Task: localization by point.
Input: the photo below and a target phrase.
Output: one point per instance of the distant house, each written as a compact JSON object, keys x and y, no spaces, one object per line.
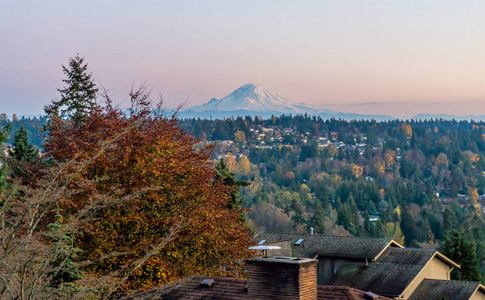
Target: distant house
{"x":268,"y":278}
{"x":397,"y":272}
{"x":379,"y":265}
{"x":331,"y":251}
{"x":373,"y":218}
{"x":316,"y":266}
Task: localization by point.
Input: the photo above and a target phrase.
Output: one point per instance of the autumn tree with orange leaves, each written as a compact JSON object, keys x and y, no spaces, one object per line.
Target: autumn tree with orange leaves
{"x":124,"y":200}
{"x":157,"y":185}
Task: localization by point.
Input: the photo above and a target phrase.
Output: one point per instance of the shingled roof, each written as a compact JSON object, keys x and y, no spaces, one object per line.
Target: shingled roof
{"x":391,"y":274}
{"x":410,"y":256}
{"x":433,"y":289}
{"x":406,"y":256}
{"x":331,"y":246}
{"x":388,"y":279}
{"x":231,"y":288}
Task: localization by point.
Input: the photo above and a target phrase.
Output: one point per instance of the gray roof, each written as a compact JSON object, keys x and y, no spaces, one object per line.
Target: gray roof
{"x":332,"y":246}
{"x":388,"y":279}
{"x":390,"y":275}
{"x":406,"y":256}
{"x":433,"y":289}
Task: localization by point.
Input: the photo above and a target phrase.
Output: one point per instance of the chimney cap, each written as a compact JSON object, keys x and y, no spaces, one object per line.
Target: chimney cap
{"x":370,"y":295}
{"x":207,"y":282}
{"x":281,"y":260}
{"x":264,"y":247}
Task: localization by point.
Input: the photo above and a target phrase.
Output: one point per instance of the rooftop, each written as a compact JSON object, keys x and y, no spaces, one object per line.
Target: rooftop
{"x":391,"y":274}
{"x":433,"y":289}
{"x":231,"y":288}
{"x":389,"y":279}
{"x":406,"y":256}
{"x":410,"y":256}
{"x":332,"y":246}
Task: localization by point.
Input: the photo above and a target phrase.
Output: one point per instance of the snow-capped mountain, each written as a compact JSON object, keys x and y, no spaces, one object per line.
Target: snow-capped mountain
{"x":252,"y":99}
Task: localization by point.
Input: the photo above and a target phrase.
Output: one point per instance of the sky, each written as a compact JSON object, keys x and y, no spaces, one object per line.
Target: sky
{"x":397,"y":58}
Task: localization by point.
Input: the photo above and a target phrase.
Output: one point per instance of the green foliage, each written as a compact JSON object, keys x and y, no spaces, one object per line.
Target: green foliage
{"x":229,"y":179}
{"x":22,"y":149}
{"x":459,"y":249}
{"x":318,"y":220}
{"x":78,"y":97}
{"x":416,"y":181}
{"x":64,"y":267}
{"x":33,"y":126}
{"x":298,"y":217}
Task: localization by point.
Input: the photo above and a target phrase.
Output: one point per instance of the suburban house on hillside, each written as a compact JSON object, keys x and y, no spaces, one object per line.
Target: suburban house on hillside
{"x":379,"y":265}
{"x":330,"y":267}
{"x":330,"y":251}
{"x":268,"y":278}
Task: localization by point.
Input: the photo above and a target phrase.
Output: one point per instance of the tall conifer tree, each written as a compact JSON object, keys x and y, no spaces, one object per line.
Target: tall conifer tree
{"x":22,"y":149}
{"x":228,"y":178}
{"x":459,"y":249}
{"x":78,"y":97}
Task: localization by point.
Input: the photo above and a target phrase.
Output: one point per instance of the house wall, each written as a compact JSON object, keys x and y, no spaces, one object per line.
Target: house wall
{"x":327,"y":267}
{"x":435,"y":269}
{"x":479,"y":295}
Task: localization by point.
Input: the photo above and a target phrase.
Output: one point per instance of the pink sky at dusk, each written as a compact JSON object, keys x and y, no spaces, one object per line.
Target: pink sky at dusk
{"x":397,"y":58}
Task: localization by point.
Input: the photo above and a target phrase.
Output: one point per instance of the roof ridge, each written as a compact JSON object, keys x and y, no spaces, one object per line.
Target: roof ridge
{"x":397,"y":264}
{"x":326,"y":235}
{"x":451,"y":281}
{"x":413,"y":249}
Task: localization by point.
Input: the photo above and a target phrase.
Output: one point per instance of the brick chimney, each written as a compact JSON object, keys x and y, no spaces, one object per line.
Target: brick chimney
{"x":282,"y":278}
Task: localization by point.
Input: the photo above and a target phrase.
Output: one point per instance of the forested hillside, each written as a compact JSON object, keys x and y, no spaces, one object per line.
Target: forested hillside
{"x":415,"y":181}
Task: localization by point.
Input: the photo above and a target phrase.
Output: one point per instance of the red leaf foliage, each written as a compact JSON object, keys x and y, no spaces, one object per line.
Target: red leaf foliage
{"x":145,"y":178}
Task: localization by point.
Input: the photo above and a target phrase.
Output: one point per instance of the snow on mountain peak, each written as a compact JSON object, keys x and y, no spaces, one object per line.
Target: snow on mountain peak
{"x":254,"y":98}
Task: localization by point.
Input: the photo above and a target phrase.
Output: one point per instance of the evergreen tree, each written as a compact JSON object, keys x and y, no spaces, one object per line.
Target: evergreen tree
{"x":78,"y":97}
{"x":22,"y":150}
{"x":298,"y":218}
{"x":409,"y":227}
{"x":462,"y":251}
{"x":229,"y":179}
{"x":318,"y":220}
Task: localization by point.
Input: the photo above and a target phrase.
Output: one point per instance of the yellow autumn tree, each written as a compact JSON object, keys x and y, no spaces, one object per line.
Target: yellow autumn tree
{"x":239,"y":136}
{"x":393,"y":230}
{"x":231,"y":162}
{"x":357,"y":171}
{"x":244,"y":166}
{"x":441,"y":160}
{"x":473,"y":195}
{"x":389,"y":157}
{"x":407,"y":129}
